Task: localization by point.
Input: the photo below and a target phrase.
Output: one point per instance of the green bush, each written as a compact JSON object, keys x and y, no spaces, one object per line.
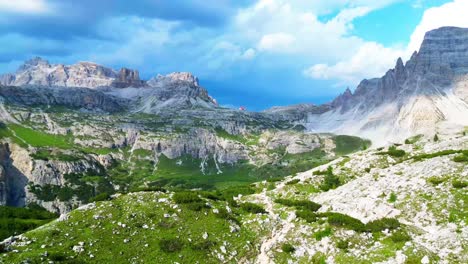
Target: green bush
{"x":309,"y":205}
{"x":400,"y":236}
{"x":252,"y":208}
{"x":382,"y":224}
{"x":186,"y":197}
{"x":330,"y":181}
{"x":342,"y":244}
{"x":461,"y":158}
{"x":436,"y":180}
{"x":100,"y":197}
{"x":459,"y":184}
{"x":287,"y":248}
{"x":171,"y":245}
{"x":392,"y":198}
{"x":308,"y":216}
{"x":291,"y":182}
{"x":57,"y":256}
{"x":345,"y":221}
{"x":323,"y":233}
{"x":436,"y":138}
{"x":394,"y":152}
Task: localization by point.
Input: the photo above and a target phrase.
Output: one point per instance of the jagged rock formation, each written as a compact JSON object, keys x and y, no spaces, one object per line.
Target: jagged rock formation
{"x":424,"y":96}
{"x":77,"y":98}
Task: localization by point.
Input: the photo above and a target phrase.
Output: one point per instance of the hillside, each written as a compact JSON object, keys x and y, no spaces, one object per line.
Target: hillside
{"x":405,"y":204}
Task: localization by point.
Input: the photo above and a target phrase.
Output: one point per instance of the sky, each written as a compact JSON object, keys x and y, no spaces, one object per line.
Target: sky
{"x":253,"y":53}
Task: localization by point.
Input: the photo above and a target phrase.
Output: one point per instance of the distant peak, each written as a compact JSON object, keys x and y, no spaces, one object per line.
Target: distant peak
{"x":183,"y":76}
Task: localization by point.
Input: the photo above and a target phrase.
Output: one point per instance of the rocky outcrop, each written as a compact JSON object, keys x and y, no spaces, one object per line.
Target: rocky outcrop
{"x":419,"y":97}
{"x":38,"y":71}
{"x":128,"y":78}
{"x":59,"y":96}
{"x":12,"y":180}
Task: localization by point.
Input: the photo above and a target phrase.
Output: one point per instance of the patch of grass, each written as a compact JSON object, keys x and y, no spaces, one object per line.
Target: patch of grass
{"x":392,"y":198}
{"x":39,"y":139}
{"x":458,"y":184}
{"x":186,"y":197}
{"x":342,"y":244}
{"x":438,"y":154}
{"x":400,"y":236}
{"x":436,"y":180}
{"x":323,"y":233}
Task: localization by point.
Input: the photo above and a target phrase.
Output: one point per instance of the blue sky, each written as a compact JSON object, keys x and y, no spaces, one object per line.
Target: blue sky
{"x":256,"y":53}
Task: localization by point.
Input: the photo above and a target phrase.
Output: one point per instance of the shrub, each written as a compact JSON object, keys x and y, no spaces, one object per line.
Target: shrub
{"x":170,"y":245}
{"x":291,"y":182}
{"x":407,"y":141}
{"x":461,"y":158}
{"x":287,"y":248}
{"x":323,"y":233}
{"x":394,"y":152}
{"x":252,"y":208}
{"x":309,"y":205}
{"x":186,"y":197}
{"x":436,"y":180}
{"x":459,"y":184}
{"x":382,"y":224}
{"x":436,"y":138}
{"x":57,"y":256}
{"x":392,"y":198}
{"x":308,"y":216}
{"x":274,"y":179}
{"x":100,"y":197}
{"x":367,"y":170}
{"x":330,"y":181}
{"x":342,"y":244}
{"x":346,"y":221}
{"x":400,"y":236}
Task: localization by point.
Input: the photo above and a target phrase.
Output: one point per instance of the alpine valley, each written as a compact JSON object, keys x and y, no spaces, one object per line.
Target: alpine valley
{"x":100,"y":166}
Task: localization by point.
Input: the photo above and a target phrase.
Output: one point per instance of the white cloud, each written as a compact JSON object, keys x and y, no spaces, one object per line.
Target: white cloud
{"x":371,"y":60}
{"x":279,"y":42}
{"x":248,"y":54}
{"x":450,"y":14}
{"x":24,"y":6}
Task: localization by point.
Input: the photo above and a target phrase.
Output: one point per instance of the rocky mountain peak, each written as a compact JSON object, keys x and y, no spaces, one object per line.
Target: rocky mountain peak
{"x":33,"y":62}
{"x":183,"y":76}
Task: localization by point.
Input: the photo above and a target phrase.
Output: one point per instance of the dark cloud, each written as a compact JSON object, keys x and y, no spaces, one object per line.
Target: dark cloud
{"x":72,"y":19}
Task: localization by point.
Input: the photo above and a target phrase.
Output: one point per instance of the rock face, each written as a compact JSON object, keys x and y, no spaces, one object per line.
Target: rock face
{"x":172,"y":92}
{"x":59,"y":96}
{"x":423,"y":96}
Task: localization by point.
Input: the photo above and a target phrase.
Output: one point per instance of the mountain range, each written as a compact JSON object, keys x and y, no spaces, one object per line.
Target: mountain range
{"x":156,"y":163}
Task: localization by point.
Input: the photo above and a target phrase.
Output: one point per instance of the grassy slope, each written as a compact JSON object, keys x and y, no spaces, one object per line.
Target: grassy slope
{"x":140,"y":240}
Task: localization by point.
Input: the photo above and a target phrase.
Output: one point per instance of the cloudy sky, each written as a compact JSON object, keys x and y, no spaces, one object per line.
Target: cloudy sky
{"x":256,"y":53}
